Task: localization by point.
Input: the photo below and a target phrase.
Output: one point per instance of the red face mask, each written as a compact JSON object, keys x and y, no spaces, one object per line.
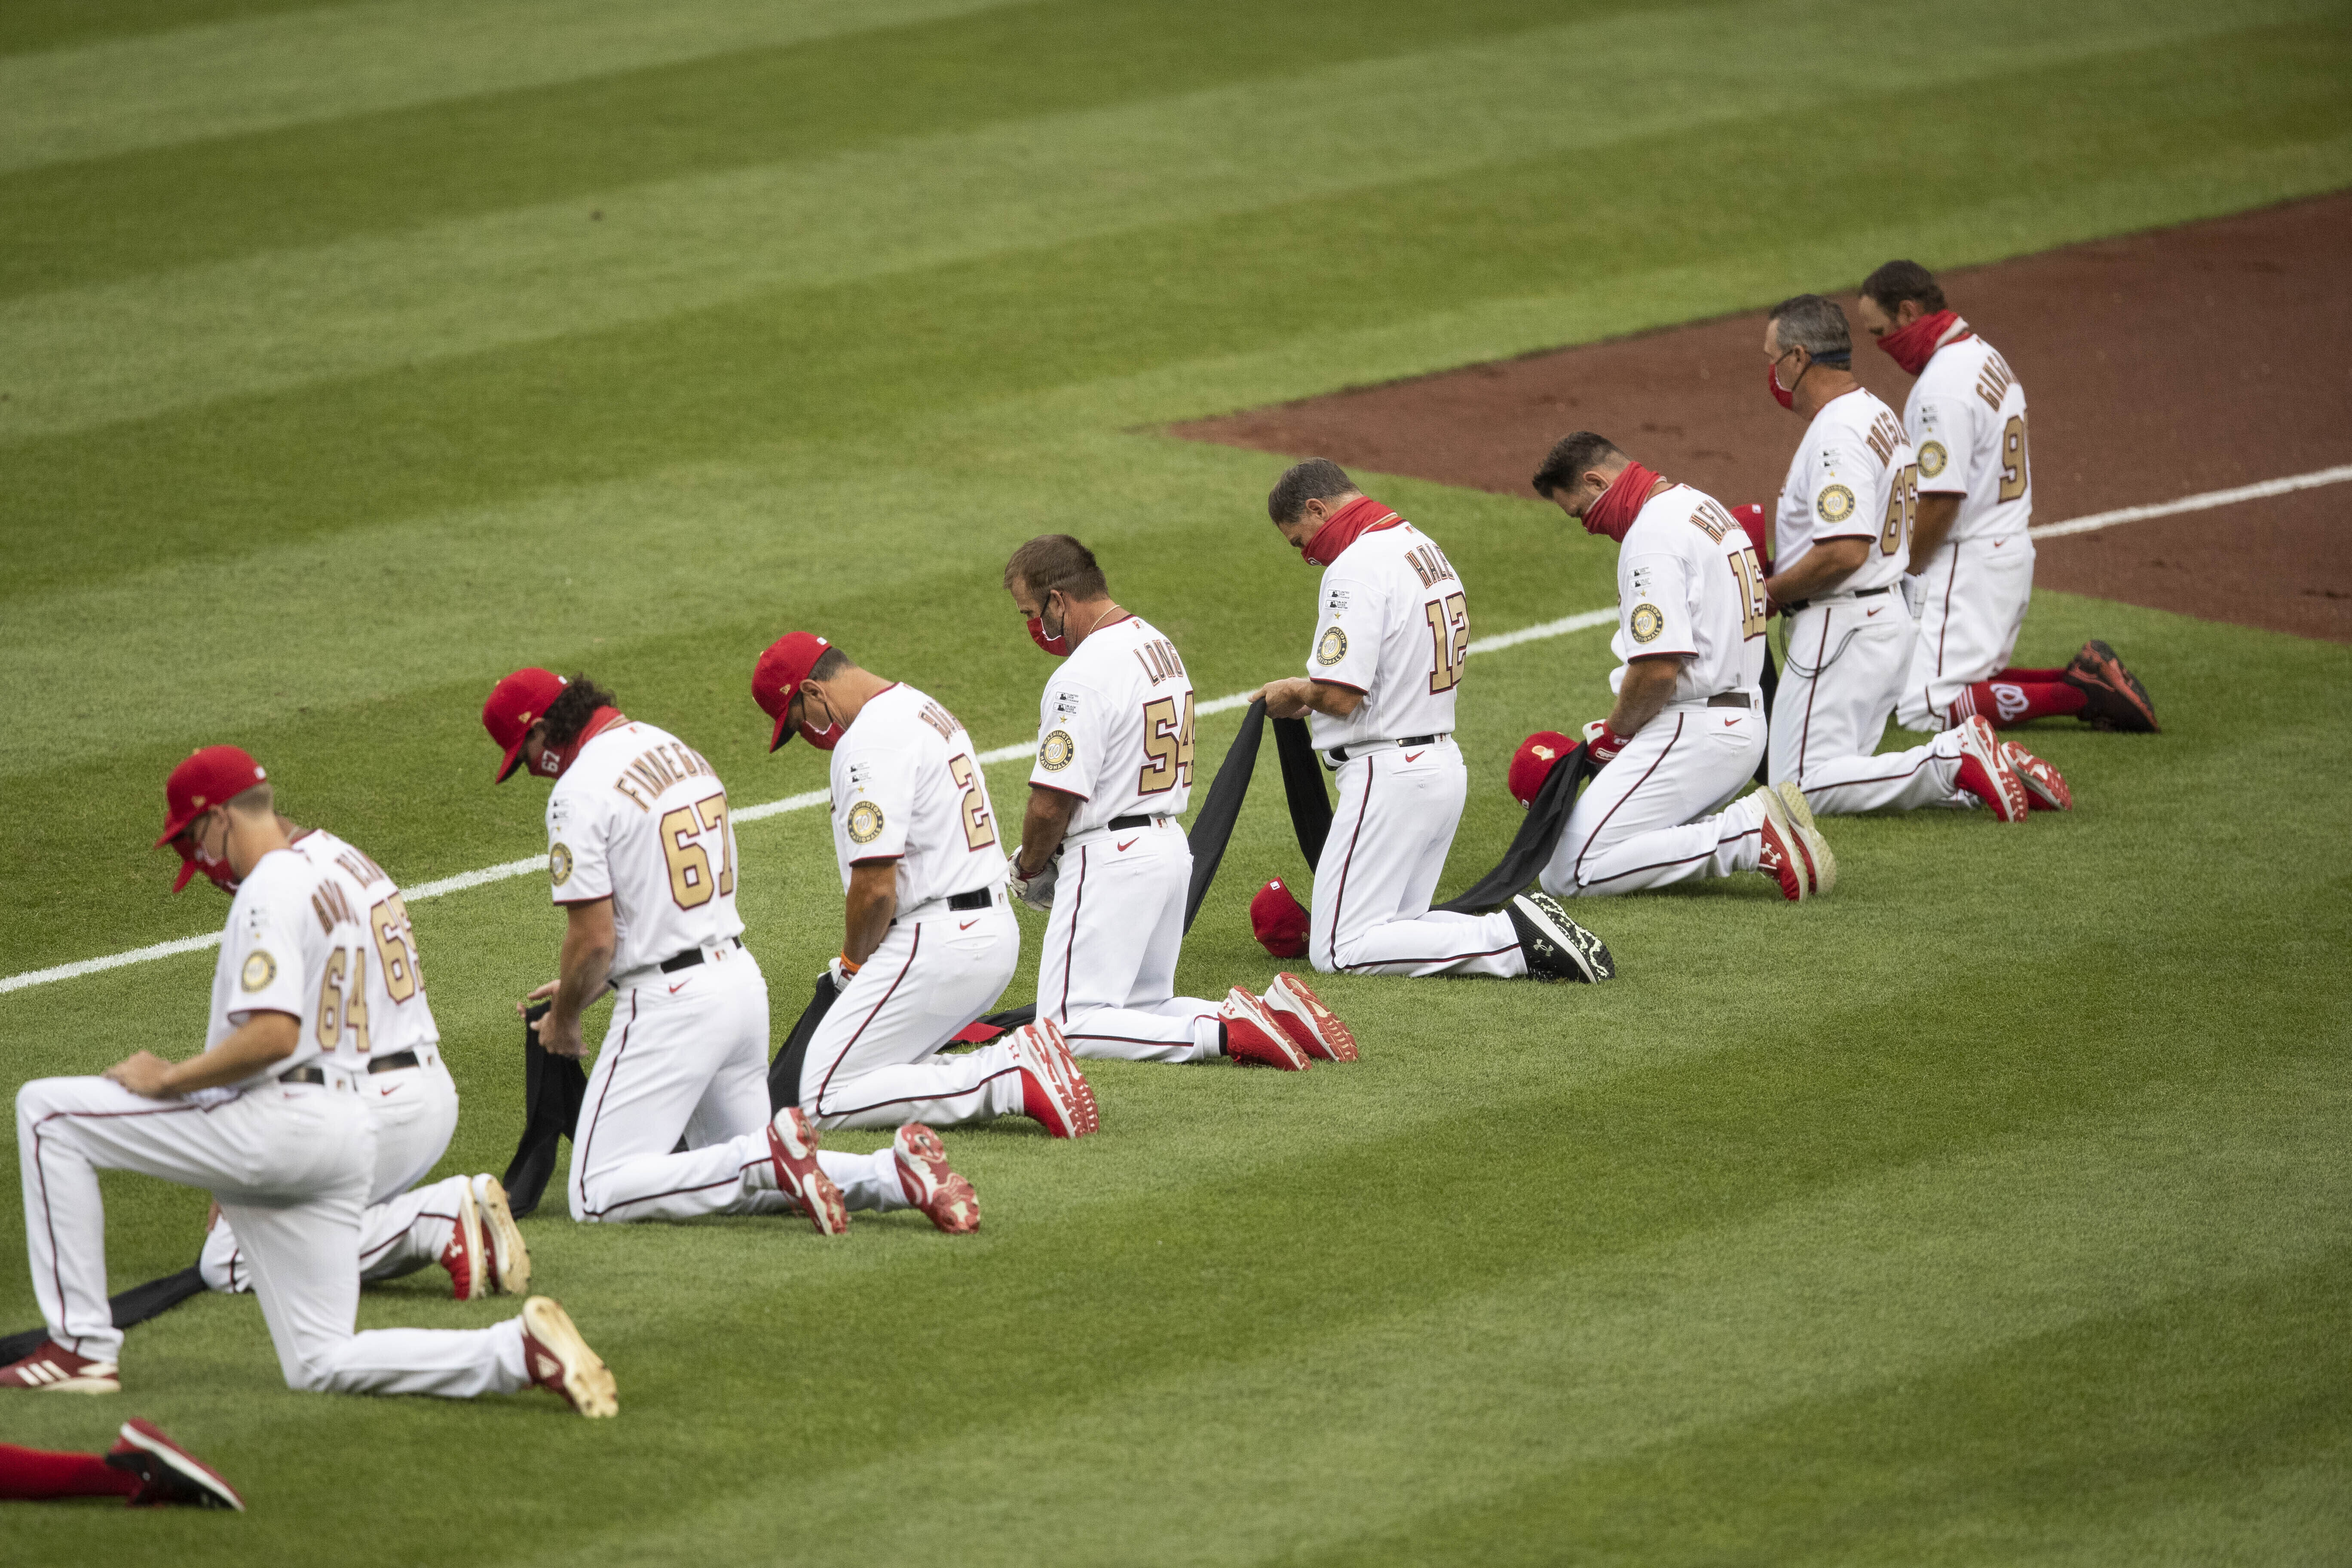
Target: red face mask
{"x":1058,"y":644}
{"x":1786,"y":397}
{"x":824,"y":740}
{"x":193,"y":860}
{"x":1613,"y":512}
{"x":1912,"y":346}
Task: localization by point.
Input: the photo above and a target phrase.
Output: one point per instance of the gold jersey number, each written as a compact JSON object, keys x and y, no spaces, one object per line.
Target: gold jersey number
{"x":2016,"y":470}
{"x":1166,"y":745}
{"x":691,"y":884}
{"x":1449,"y":631}
{"x":979,"y":832}
{"x":1902,"y":510}
{"x":1754,"y":604}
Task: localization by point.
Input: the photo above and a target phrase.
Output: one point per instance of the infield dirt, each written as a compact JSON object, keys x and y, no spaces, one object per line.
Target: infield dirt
{"x":2156,"y":366}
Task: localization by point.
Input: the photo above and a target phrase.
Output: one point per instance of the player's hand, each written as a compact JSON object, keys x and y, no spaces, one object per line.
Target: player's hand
{"x":1284,"y":699}
{"x":145,"y":1073}
{"x":565,"y":1042}
{"x":1602,"y":743}
{"x":841,"y":972}
{"x":522,"y":1008}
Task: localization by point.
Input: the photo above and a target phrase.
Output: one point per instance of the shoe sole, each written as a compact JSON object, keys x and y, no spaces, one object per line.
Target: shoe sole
{"x":930,"y":1183}
{"x":799,"y":1174}
{"x":1784,"y":828}
{"x":2042,"y":794}
{"x":2106,"y":675}
{"x":1588,"y":951}
{"x":1819,"y":861}
{"x":478,"y":1266}
{"x":1288,"y":1055}
{"x":1978,"y":746}
{"x":509,"y":1258}
{"x":582,"y":1377}
{"x":1073,"y":1097}
{"x":149,"y":1438}
{"x":1333,"y":1040}
{"x":80,"y":1382}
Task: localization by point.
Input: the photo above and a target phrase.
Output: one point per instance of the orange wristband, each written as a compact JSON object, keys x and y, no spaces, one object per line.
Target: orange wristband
{"x":847,"y":967}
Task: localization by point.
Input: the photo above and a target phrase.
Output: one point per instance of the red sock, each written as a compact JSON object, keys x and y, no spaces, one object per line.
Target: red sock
{"x":2007,"y":702}
{"x":2030,"y":676}
{"x":36,"y":1475}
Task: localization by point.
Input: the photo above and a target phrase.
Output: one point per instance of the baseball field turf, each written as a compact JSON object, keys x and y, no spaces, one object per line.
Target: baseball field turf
{"x":1997,"y":1208}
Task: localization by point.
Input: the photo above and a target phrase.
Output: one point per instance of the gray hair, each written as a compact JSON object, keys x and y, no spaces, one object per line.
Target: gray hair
{"x":1815,"y":324}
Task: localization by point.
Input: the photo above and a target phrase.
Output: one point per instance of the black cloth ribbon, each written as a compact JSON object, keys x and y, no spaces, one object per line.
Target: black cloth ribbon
{"x":135,"y":1305}
{"x":552,"y":1089}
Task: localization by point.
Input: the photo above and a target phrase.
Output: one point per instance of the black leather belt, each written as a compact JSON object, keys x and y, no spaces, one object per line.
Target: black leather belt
{"x":303,"y":1075}
{"x":1121,"y":824}
{"x":1858,"y":593}
{"x":1341,"y":754}
{"x":1731,"y":699}
{"x":394,"y":1062}
{"x":692,"y":956}
{"x":978,"y":898}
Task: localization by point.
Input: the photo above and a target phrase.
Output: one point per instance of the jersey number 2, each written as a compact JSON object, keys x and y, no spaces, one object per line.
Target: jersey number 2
{"x":979,"y":832}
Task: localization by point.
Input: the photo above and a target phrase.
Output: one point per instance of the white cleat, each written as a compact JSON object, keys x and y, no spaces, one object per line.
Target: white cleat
{"x":558,"y":1359}
{"x":509,"y":1259}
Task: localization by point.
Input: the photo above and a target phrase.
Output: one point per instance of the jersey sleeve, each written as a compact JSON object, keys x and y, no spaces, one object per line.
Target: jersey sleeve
{"x":1943,"y":440}
{"x":1849,"y":486}
{"x":1074,"y":739}
{"x":1347,"y":634}
{"x":579,"y":851}
{"x":877,"y":806}
{"x":265,"y":940}
{"x":1657,"y":614}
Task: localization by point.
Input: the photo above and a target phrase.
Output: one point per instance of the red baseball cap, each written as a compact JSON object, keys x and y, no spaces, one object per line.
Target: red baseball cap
{"x":776,"y":681}
{"x":1277,"y":921}
{"x":516,"y":704}
{"x":207,"y":778}
{"x":1754,"y":523}
{"x":1532,"y":762}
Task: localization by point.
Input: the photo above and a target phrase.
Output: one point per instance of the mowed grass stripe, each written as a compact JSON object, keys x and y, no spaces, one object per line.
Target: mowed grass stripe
{"x":599,"y":137}
{"x":233,"y":76}
{"x":124,"y":351}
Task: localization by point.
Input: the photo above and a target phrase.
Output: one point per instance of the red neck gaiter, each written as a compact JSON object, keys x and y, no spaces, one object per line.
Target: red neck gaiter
{"x":1916,"y":344}
{"x":601,"y":720}
{"x":1621,"y":503}
{"x":1360,"y":516}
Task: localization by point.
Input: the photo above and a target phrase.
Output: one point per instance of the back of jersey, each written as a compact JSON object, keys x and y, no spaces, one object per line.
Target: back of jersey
{"x":1965,"y":416}
{"x":1115,"y":727}
{"x":640,"y":818}
{"x":1394,"y":625}
{"x":908,"y":787}
{"x":383,"y":1009}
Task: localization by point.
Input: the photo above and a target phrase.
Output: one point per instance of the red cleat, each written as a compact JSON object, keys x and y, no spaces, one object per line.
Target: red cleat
{"x":1303,"y":1017}
{"x":169,"y":1476}
{"x":1783,"y":857}
{"x":929,"y":1183}
{"x":1985,"y":774}
{"x":2113,"y":697}
{"x":467,"y":1263}
{"x":1054,"y":1091}
{"x":2045,"y":787}
{"x":791,"y":1153}
{"x":560,"y":1361}
{"x":53,"y":1369}
{"x":1252,"y":1034}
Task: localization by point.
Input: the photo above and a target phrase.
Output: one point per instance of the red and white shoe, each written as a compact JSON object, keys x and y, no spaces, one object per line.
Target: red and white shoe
{"x":509,"y":1259}
{"x":1782,"y":857}
{"x":2045,"y":787}
{"x":1987,"y":775}
{"x":792,"y":1151}
{"x":929,"y":1183}
{"x":464,"y":1257}
{"x":169,"y":1476}
{"x":1053,"y":1090}
{"x":1252,"y":1034}
{"x":1305,"y":1019}
{"x":53,"y":1369}
{"x":560,"y":1361}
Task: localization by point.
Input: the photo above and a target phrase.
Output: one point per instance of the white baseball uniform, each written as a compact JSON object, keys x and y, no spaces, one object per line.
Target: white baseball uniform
{"x":1850,"y":645}
{"x":1966,"y":416}
{"x":1688,"y":586}
{"x":640,"y":818}
{"x":907,"y":788}
{"x":1393,"y":624}
{"x":291,"y":1161}
{"x":414,"y":1106}
{"x":1115,"y":730}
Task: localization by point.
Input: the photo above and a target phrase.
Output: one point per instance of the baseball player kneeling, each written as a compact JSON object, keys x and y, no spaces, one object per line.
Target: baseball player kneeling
{"x":641,"y":856}
{"x":1842,"y":541}
{"x":1971,"y":554}
{"x":1392,"y":635}
{"x":1102,"y":847}
{"x":272,"y":1119}
{"x":929,"y":939}
{"x":1686,"y":730}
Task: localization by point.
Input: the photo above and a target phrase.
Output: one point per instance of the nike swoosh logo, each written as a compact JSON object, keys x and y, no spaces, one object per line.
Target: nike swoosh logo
{"x":967,"y":925}
{"x":1125,"y":847}
{"x":394,"y":1090}
{"x":1728,"y":723}
{"x":676,"y":988}
{"x":1414,"y":756}
{"x":1874,"y":611}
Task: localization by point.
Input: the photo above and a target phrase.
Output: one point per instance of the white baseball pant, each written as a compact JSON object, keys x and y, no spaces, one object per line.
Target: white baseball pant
{"x":404,"y":1227}
{"x":1847,"y":658}
{"x":1973,"y":598}
{"x":1107,"y":974}
{"x":290,"y":1164}
{"x":685,"y":1056}
{"x":1395,"y":820}
{"x":874,"y":1060}
{"x":1658,"y":814}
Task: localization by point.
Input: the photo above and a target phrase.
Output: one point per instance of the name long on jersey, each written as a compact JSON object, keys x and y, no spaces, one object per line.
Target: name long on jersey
{"x":908,"y":787}
{"x":1115,"y":727}
{"x":640,"y":817}
{"x":376,"y":983}
{"x":1853,"y":478}
{"x":1394,"y":624}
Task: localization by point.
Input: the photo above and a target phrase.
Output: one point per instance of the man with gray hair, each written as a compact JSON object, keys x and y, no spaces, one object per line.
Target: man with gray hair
{"x":1840,"y":542}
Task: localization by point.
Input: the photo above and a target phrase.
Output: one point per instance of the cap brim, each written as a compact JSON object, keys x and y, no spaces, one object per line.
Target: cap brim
{"x":784,"y":729}
{"x":187,"y":874}
{"x":174,"y":826}
{"x":513,"y":761}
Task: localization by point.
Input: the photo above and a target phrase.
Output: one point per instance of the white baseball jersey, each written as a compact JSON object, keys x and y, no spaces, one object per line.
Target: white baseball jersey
{"x":1853,"y":478}
{"x":287,"y":949}
{"x":641,"y":818}
{"x":1966,"y":416}
{"x":908,"y":787}
{"x":1394,"y":625}
{"x":1688,"y":583}
{"x":390,"y":1014}
{"x":1115,"y":727}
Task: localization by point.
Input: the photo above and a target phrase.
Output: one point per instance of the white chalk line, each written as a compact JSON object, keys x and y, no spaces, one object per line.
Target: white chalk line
{"x":814,"y":798}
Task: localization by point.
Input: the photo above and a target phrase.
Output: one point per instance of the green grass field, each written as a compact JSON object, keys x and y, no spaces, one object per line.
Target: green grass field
{"x":1999,"y":1208}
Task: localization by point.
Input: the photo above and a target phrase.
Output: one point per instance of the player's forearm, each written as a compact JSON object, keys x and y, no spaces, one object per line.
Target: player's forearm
{"x":872,"y":904}
{"x":1044,"y":825}
{"x":1642,"y":695}
{"x":1821,"y":569}
{"x":1931,"y":528}
{"x":581,"y":972}
{"x":264,"y":1040}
